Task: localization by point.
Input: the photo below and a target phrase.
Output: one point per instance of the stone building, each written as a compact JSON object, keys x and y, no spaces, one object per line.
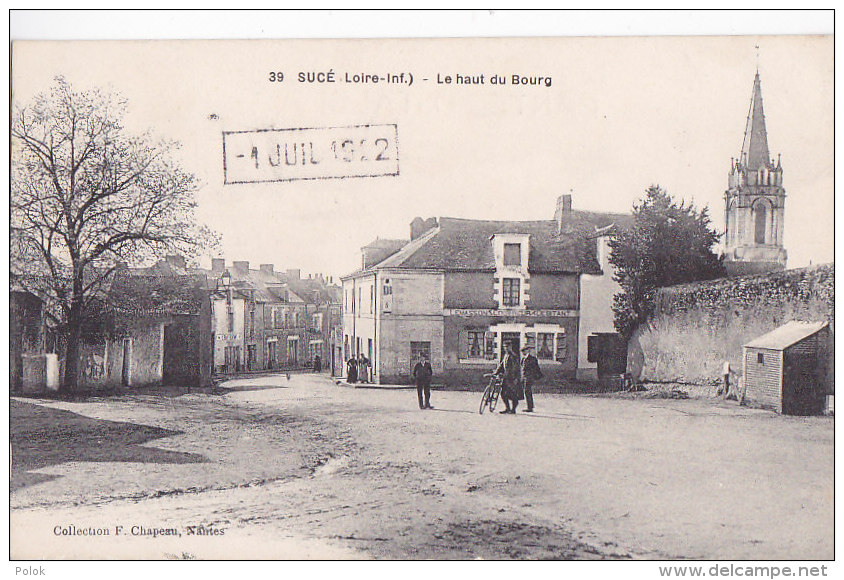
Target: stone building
{"x":460,"y":289}
{"x":268,"y":320}
{"x":754,"y":204}
{"x":152,"y":326}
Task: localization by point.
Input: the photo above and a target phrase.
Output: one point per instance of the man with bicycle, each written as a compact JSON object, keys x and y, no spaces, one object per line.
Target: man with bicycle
{"x":511,"y":380}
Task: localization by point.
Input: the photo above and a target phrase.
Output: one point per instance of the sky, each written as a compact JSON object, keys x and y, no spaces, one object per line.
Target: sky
{"x":620,"y":115}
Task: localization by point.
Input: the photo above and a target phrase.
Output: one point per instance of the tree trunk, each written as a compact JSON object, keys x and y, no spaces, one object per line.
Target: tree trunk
{"x":74,"y":339}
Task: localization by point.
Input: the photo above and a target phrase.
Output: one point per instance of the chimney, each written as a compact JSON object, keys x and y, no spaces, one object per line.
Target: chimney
{"x":218,"y":265}
{"x":419,"y":227}
{"x":241,"y":266}
{"x":563,"y":210}
{"x":176,"y":261}
{"x":267,"y":268}
{"x":294,"y":273}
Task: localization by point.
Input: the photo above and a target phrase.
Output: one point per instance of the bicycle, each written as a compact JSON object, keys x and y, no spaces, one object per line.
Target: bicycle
{"x":491,"y":393}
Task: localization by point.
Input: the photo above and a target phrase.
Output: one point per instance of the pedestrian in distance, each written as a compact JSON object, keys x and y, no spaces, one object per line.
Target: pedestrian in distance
{"x":530,"y":374}
{"x":317,"y":364}
{"x":352,"y":371}
{"x":510,"y":372}
{"x":363,"y":369}
{"x":422,"y":374}
{"x":726,"y":371}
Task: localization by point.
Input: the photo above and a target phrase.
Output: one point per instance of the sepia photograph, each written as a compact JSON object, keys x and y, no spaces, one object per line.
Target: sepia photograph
{"x":458,"y":298}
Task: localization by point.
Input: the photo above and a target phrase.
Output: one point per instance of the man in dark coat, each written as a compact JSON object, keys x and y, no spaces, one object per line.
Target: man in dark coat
{"x":511,"y":373}
{"x":530,"y":374}
{"x":317,"y":364}
{"x":422,"y":374}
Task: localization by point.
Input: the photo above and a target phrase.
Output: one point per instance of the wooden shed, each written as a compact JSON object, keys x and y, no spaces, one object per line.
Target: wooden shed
{"x":785,"y":369}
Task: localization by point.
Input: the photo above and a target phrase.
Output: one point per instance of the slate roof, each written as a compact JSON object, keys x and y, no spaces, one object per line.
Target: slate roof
{"x":786,"y":335}
{"x":144,"y":292}
{"x":464,"y":245}
{"x":260,"y":285}
{"x":386,"y":244}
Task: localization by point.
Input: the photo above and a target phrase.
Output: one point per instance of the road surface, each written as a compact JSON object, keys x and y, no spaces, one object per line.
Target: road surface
{"x":303,"y":468}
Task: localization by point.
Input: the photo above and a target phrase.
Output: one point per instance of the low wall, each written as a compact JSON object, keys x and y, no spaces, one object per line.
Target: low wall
{"x":695,"y":327}
{"x":40,"y":373}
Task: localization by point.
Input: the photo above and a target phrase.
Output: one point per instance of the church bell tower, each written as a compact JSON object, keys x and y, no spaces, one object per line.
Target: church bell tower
{"x":754,"y":204}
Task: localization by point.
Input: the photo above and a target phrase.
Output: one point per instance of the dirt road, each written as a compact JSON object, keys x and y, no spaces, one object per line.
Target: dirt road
{"x":308,"y":469}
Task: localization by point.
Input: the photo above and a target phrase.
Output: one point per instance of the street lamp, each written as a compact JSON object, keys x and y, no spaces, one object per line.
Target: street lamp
{"x":226,"y":279}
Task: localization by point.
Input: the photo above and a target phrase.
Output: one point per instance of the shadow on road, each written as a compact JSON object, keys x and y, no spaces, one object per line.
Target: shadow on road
{"x":42,"y":436}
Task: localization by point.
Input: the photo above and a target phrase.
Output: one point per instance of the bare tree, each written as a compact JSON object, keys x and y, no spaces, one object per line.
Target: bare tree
{"x":86,"y":196}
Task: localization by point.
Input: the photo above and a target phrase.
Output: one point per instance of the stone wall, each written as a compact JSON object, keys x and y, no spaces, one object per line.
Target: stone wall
{"x":695,"y":327}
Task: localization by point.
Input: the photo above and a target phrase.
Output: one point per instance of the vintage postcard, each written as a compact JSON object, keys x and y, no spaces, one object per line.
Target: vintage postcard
{"x":423,"y":299}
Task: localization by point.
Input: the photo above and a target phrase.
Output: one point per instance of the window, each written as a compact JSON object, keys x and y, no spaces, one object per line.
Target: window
{"x":545,"y":346}
{"x":760,"y":358}
{"x":371,"y":298}
{"x":512,"y":254}
{"x":510,"y":291}
{"x":252,"y":320}
{"x":761,"y":222}
{"x":489,"y":352}
{"x":230,"y":316}
{"x":562,"y":347}
{"x":388,"y":288}
{"x":475,"y":339}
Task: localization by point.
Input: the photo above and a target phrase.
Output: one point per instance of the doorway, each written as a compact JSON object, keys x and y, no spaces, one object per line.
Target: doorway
{"x":416,"y":350}
{"x":515,"y":340}
{"x":293,"y":351}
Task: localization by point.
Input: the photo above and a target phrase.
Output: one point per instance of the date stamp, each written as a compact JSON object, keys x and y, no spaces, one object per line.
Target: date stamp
{"x":271,"y":155}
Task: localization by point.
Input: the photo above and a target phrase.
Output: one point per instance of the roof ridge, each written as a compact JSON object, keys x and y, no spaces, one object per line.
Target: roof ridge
{"x":422,"y":240}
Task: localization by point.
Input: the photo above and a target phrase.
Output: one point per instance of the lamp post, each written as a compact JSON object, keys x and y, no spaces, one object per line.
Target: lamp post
{"x":225,"y":280}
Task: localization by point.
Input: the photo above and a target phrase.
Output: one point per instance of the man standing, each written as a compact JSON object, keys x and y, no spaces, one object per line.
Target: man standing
{"x":511,"y":375}
{"x":530,"y":374}
{"x":422,"y":374}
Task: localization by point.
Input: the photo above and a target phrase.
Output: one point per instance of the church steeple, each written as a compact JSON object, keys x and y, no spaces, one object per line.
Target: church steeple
{"x":754,"y":149}
{"x":754,"y":204}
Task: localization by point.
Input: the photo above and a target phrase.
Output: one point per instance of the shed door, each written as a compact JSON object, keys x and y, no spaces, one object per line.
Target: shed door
{"x":800,"y":384}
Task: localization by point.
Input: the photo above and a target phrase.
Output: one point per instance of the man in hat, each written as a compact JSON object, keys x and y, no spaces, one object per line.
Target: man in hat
{"x":422,"y":374}
{"x":511,"y":384}
{"x":530,"y":374}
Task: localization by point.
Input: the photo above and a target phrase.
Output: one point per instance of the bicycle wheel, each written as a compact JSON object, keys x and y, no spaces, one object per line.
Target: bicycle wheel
{"x":485,"y":398}
{"x":493,"y":396}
